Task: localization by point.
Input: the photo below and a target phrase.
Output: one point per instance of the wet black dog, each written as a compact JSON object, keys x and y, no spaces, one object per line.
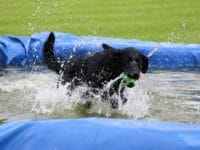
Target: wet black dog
{"x":99,"y":68}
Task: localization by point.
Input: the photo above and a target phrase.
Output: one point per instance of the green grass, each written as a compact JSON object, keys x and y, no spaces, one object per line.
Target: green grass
{"x":155,"y":20}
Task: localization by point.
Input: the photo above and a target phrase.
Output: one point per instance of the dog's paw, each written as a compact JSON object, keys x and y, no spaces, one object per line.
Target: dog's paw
{"x":88,"y":95}
{"x":114,"y":103}
{"x":88,"y":104}
{"x":124,"y":100}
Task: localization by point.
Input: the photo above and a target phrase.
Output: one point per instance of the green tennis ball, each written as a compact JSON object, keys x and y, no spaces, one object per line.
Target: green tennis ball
{"x":127,"y":80}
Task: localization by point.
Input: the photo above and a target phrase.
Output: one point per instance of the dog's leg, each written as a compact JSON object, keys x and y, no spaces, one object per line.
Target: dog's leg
{"x":121,"y":94}
{"x":48,"y":55}
{"x":89,"y":97}
{"x":73,"y":84}
{"x":119,"y":91}
{"x":107,"y":95}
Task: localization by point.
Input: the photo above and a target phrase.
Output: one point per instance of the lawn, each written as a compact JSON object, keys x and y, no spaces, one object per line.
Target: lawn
{"x":154,"y":20}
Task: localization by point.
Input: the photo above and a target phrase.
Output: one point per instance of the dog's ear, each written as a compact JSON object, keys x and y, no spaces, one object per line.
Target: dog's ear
{"x":108,"y":48}
{"x":105,"y":46}
{"x":144,"y":64}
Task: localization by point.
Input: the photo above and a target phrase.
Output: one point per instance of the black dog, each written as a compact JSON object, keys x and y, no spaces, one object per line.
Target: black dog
{"x":99,"y":68}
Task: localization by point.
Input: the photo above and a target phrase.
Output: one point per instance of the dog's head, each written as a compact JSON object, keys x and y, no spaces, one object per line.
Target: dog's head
{"x":132,"y":62}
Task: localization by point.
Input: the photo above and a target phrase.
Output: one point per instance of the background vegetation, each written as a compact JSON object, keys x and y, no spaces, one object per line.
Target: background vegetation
{"x":154,"y":20}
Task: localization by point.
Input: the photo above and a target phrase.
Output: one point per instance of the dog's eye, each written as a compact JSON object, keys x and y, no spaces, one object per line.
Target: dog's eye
{"x":137,"y":60}
{"x":129,"y":59}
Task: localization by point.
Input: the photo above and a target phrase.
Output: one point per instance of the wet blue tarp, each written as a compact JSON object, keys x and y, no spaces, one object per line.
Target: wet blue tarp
{"x":98,"y":134}
{"x":19,"y":50}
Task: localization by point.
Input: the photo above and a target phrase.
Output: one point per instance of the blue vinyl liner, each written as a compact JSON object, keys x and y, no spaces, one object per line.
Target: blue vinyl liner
{"x":98,"y":134}
{"x":19,"y":50}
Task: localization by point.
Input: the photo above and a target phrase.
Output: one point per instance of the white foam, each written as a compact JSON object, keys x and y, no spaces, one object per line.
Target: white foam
{"x":44,"y":97}
{"x":137,"y":105}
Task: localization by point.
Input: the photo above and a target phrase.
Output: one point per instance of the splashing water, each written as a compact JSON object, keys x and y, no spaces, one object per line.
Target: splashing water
{"x":171,"y":96}
{"x":36,"y":93}
{"x":154,"y":50}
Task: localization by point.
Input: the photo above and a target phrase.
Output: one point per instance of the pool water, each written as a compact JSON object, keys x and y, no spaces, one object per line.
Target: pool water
{"x":158,"y":95}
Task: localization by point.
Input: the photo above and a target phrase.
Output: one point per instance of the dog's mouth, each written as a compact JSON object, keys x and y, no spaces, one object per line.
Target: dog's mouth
{"x":129,"y":81}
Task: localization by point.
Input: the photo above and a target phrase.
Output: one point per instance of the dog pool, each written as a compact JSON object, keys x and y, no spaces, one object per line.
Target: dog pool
{"x":164,"y":93}
{"x":168,"y":92}
{"x":158,"y":95}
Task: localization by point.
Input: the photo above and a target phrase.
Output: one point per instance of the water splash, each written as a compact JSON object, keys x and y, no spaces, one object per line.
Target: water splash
{"x":153,"y":51}
{"x":171,"y":96}
{"x":137,"y":105}
{"x":38,"y":92}
{"x":43,"y":11}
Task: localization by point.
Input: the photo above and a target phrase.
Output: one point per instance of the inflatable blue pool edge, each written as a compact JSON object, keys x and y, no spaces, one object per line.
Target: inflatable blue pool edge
{"x":22,"y":51}
{"x":97,"y":133}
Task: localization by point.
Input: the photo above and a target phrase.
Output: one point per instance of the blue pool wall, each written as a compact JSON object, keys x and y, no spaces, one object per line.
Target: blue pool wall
{"x":24,"y":50}
{"x":97,"y":133}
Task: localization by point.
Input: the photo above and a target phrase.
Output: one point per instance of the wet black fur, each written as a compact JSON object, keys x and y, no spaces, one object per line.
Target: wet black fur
{"x":99,"y":68}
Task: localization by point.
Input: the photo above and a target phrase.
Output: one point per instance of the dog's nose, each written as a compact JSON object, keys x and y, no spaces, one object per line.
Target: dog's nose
{"x":134,"y":76}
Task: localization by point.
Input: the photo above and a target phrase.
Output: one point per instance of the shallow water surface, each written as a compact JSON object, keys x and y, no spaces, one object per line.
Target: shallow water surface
{"x":159,"y":95}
